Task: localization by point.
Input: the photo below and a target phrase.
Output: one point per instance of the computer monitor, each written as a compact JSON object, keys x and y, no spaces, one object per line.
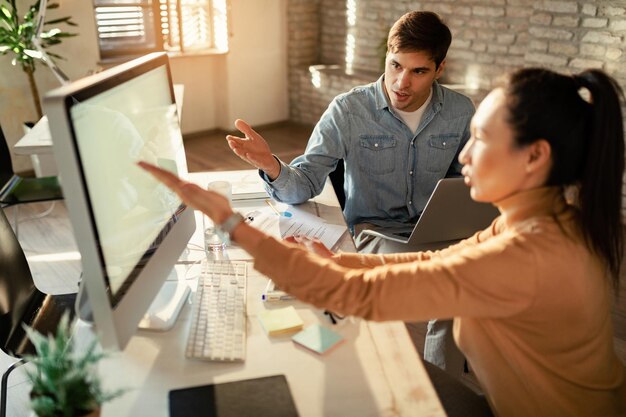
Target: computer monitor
{"x":129,"y":228}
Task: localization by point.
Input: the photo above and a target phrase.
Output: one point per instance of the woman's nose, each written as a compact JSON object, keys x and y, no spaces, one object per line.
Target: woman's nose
{"x":465,"y":154}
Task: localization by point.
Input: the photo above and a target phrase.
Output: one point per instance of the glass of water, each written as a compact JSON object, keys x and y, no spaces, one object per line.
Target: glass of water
{"x":212,"y":240}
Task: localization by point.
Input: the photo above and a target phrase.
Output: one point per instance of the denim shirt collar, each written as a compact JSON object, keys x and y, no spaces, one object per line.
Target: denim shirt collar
{"x":382,"y":101}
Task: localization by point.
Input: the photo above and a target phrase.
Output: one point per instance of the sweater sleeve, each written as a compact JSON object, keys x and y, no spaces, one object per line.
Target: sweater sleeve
{"x":494,"y":279}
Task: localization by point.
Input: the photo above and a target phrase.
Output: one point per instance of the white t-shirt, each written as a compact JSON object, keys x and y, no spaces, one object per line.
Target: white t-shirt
{"x":413,"y":119}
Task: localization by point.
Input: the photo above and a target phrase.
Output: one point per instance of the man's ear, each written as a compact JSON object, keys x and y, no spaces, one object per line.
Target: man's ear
{"x":539,"y":156}
{"x":440,"y":69}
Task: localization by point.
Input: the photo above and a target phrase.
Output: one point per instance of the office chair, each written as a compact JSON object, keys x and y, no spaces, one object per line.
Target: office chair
{"x":22,"y":303}
{"x":15,"y":190}
{"x":336,"y":179}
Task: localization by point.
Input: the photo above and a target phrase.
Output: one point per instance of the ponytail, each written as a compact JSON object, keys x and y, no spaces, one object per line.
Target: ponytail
{"x":587,"y":142}
{"x":600,"y":195}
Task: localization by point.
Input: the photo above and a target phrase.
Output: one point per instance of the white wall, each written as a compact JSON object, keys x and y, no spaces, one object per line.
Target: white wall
{"x":248,"y":82}
{"x":257,"y":63}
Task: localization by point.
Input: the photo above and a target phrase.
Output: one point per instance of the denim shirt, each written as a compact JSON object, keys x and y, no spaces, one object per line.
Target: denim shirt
{"x":390,"y":172}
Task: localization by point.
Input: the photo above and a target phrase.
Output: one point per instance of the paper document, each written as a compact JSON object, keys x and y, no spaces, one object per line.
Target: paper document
{"x":289,"y":221}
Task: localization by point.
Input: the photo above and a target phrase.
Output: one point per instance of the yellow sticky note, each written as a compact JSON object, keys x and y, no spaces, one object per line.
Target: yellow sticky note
{"x":280,"y":321}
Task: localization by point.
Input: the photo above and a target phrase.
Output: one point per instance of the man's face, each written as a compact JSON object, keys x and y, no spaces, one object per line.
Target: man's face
{"x":409,"y":77}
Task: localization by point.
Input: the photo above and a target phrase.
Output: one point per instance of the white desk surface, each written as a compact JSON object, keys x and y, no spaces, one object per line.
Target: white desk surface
{"x":375,"y":372}
{"x":38,"y":140}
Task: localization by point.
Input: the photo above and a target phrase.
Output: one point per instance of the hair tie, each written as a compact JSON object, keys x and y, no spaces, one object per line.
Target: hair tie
{"x":583,"y":91}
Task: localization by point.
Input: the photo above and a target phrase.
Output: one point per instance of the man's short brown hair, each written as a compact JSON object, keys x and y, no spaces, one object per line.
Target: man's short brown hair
{"x":420,"y":31}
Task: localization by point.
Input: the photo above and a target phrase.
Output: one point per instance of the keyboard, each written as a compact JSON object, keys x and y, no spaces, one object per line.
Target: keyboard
{"x":218,"y":323}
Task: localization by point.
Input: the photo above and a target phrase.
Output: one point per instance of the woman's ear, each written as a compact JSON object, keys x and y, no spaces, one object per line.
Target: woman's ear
{"x":539,"y":156}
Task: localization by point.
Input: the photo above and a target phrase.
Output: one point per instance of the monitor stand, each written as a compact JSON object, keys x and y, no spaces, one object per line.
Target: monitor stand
{"x":168,"y":303}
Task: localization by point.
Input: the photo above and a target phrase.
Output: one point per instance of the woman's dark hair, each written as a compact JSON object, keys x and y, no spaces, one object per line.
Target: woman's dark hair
{"x":420,"y":31}
{"x":587,"y":140}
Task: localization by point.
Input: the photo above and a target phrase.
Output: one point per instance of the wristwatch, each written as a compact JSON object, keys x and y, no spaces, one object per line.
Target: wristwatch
{"x":225,"y":229}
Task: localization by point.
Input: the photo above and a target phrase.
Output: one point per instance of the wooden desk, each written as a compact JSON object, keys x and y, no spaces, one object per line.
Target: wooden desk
{"x":375,"y":372}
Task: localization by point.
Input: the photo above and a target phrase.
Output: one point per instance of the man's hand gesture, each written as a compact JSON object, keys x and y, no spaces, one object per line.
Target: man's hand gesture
{"x":254,"y":150}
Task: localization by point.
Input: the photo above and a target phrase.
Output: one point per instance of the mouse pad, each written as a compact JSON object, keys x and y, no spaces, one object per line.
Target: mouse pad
{"x":259,"y":397}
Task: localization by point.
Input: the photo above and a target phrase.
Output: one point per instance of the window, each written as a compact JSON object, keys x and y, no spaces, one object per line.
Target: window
{"x":133,"y":27}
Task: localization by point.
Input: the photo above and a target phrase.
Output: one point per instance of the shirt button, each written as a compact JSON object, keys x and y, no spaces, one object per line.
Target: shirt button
{"x":444,"y":144}
{"x":411,"y":202}
{"x":376,"y":145}
{"x":410,"y":172}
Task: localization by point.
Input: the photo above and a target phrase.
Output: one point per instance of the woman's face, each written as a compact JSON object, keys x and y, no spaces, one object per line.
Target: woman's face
{"x":494,"y":166}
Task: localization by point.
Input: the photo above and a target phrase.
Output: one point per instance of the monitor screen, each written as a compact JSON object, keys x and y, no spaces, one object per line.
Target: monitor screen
{"x":122,"y":217}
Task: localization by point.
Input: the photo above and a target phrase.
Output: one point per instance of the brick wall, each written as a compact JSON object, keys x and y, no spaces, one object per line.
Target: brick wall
{"x":490,"y":38}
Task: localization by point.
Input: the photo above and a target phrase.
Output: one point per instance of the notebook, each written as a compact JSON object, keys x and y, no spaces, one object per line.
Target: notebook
{"x":317,"y":338}
{"x":281,"y":320}
{"x":260,"y":397}
{"x":449,"y":215}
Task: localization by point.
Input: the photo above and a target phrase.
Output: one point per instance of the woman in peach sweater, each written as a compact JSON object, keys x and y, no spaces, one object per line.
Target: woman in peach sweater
{"x":531,"y":294}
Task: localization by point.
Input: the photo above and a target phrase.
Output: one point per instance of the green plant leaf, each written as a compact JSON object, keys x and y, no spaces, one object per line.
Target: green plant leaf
{"x":33,"y":53}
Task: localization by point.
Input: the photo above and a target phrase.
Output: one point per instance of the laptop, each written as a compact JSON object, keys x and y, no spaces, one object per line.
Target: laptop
{"x":449,"y":215}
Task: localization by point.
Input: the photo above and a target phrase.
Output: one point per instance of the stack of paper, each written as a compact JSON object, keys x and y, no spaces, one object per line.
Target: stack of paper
{"x":280,"y":321}
{"x":317,"y":338}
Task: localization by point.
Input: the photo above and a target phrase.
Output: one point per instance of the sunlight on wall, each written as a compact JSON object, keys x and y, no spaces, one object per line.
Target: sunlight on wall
{"x":220,"y":28}
{"x":316,"y":78}
{"x":351,"y":31}
{"x":472,"y":76}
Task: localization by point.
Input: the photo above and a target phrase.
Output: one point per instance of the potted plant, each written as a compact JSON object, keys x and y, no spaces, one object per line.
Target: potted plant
{"x":17,"y":38}
{"x":64,"y":380}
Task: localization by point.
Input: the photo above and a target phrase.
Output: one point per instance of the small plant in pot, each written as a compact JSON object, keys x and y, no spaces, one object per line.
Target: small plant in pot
{"x":64,"y":380}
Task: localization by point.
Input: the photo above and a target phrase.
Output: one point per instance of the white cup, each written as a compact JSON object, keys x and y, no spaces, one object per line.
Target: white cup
{"x":212,"y":241}
{"x":222,"y":187}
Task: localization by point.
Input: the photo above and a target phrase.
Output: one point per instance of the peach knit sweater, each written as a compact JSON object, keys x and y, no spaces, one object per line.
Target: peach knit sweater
{"x":531,"y":304}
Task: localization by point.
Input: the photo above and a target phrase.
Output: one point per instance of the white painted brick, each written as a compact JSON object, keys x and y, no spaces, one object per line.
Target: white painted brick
{"x":549,"y":33}
{"x":613,"y":11}
{"x":439,"y":8}
{"x":590,"y":9}
{"x":498,"y":24}
{"x":517,"y":50}
{"x":601,"y":37}
{"x":541,"y":19}
{"x":496,"y":49}
{"x":613,"y":53}
{"x":546,"y":59}
{"x":460,"y":43}
{"x":518,"y":12}
{"x":485,"y":36}
{"x":461,"y":10}
{"x":465,"y":55}
{"x":582,"y":63}
{"x":595,"y":22}
{"x":592,"y":49}
{"x":488,"y":11}
{"x":485,"y":59}
{"x":515,"y":61}
{"x":505,"y":38}
{"x":618,"y":25}
{"x":537,"y":45}
{"x":557,"y":6}
{"x":523,"y":3}
{"x":478,"y":23}
{"x":566,"y":21}
{"x":518,"y":26}
{"x":479,"y":47}
{"x":563,"y":48}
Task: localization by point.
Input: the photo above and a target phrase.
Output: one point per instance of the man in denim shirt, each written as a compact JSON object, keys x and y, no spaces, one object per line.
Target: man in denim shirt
{"x":398,"y":136}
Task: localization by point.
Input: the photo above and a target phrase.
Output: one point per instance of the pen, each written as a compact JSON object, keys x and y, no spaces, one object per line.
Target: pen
{"x":276,"y":297}
{"x":269,"y":203}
